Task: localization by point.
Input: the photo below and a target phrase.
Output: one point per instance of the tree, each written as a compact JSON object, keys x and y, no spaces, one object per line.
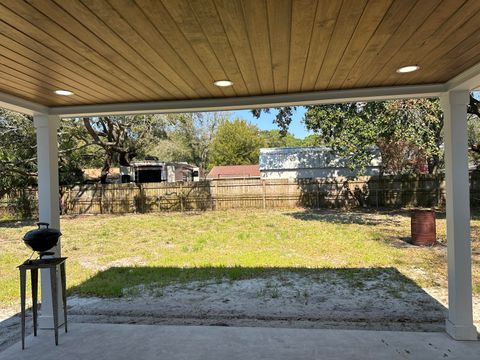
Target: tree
{"x":398,"y":128}
{"x":474,"y":128}
{"x":17,"y":151}
{"x":189,"y":137}
{"x":120,"y":138}
{"x":404,"y":131}
{"x":236,"y":143}
{"x":18,"y":159}
{"x":313,"y":140}
{"x":274,"y":138}
{"x":283,"y":118}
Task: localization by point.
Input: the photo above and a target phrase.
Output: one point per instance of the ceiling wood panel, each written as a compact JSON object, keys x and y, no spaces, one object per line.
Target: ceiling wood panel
{"x":166,"y":26}
{"x":425,"y":35}
{"x":255,"y":14}
{"x":212,"y":27}
{"x":448,"y":51}
{"x":185,"y":19}
{"x":279,"y":18}
{"x":33,"y":92}
{"x":371,"y":17}
{"x":303,"y":20}
{"x":414,"y":20}
{"x":325,"y":20}
{"x":39,"y":34}
{"x":43,"y":57}
{"x":40,"y":28}
{"x":110,"y":51}
{"x":158,"y":51}
{"x":463,"y":53}
{"x":233,"y":21}
{"x":35,"y":77}
{"x":372,"y":53}
{"x":129,"y":51}
{"x":345,"y":26}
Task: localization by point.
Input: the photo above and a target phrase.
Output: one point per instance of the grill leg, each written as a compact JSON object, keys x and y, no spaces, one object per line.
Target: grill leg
{"x":64,"y":293}
{"x":53,"y":280}
{"x":34,"y":278}
{"x":23,"y":280}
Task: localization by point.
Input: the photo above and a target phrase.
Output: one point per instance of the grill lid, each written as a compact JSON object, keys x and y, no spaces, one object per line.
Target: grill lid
{"x":43,"y":238}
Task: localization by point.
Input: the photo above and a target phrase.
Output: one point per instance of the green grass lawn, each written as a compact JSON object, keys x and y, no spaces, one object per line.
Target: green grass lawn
{"x":110,"y":253}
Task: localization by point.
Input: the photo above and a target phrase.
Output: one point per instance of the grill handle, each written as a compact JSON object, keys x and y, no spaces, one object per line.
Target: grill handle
{"x":43,"y":224}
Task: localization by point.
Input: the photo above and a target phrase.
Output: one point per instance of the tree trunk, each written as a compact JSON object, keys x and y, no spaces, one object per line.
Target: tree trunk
{"x":106,"y":168}
{"x":433,"y":164}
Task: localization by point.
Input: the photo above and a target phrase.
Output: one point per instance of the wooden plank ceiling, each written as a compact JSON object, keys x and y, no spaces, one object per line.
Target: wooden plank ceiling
{"x":149,"y":50}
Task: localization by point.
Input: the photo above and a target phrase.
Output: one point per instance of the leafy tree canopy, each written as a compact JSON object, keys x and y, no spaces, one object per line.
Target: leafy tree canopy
{"x":189,"y":137}
{"x":405,"y":129}
{"x":18,"y":153}
{"x":275,"y":138}
{"x":236,"y":143}
{"x":406,"y":132}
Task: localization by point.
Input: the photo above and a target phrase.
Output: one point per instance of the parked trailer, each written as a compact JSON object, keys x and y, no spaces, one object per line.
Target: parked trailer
{"x":152,"y":171}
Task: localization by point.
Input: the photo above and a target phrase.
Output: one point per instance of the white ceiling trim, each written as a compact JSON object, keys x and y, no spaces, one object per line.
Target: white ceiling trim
{"x":250,"y":102}
{"x":467,"y":80}
{"x":15,"y":103}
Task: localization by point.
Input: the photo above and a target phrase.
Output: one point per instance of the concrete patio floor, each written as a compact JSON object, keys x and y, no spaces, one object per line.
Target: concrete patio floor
{"x":109,"y":341}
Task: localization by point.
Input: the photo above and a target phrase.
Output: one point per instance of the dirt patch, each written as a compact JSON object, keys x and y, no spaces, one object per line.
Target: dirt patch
{"x":287,"y":297}
{"x":381,"y":302}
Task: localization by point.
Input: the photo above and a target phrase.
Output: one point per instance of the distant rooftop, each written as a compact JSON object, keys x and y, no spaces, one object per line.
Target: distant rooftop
{"x":234,"y":171}
{"x":295,"y":149}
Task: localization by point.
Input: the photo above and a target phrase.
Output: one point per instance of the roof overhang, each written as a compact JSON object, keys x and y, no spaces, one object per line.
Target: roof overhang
{"x":277,"y":53}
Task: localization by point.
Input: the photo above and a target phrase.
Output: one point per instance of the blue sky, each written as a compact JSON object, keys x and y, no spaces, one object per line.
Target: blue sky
{"x":265,"y":122}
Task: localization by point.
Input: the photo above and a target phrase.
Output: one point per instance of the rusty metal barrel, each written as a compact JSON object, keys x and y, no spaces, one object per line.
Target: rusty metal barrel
{"x":423,"y":227}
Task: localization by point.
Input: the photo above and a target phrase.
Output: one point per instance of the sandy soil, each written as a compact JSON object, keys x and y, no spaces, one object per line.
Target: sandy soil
{"x":286,"y":297}
{"x":287,"y":300}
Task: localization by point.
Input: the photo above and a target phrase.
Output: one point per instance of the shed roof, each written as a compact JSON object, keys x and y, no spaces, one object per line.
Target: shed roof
{"x":230,"y":171}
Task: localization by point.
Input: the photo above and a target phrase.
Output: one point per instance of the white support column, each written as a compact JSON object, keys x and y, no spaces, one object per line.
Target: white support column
{"x":459,"y":324}
{"x":48,"y":202}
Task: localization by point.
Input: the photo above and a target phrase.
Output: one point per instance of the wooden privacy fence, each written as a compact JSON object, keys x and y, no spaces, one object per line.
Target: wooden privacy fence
{"x":219,"y":194}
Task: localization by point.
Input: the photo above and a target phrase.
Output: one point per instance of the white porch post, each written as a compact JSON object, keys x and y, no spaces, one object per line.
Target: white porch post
{"x":48,"y":201}
{"x":460,"y":315}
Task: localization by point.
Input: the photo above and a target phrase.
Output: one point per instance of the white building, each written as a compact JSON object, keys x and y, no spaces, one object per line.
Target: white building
{"x":308,"y":162}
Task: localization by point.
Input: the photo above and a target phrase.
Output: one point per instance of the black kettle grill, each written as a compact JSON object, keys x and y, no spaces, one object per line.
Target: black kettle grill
{"x":42,"y":239}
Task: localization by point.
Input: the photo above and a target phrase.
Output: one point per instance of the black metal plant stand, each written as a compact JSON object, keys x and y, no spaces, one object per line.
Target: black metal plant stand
{"x":33,"y":266}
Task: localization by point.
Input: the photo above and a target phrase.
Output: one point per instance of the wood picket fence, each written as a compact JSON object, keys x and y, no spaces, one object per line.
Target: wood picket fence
{"x":222,"y":194}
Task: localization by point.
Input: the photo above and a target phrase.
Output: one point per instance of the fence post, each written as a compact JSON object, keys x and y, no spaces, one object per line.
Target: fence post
{"x":101,"y":196}
{"x":438,"y":184}
{"x":318,"y":194}
{"x":142,"y":198}
{"x":264,"y":194}
{"x":181,"y":197}
{"x":216,"y":194}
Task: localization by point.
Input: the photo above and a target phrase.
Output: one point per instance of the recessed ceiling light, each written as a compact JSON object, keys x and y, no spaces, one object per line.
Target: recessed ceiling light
{"x":63,"y":92}
{"x":223,"y":83}
{"x":407,"y":69}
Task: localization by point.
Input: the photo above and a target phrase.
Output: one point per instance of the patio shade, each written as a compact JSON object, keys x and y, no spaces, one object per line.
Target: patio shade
{"x":121,"y":51}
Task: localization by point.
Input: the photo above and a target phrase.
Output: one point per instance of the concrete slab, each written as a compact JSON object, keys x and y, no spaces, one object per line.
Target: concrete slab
{"x":109,"y":341}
